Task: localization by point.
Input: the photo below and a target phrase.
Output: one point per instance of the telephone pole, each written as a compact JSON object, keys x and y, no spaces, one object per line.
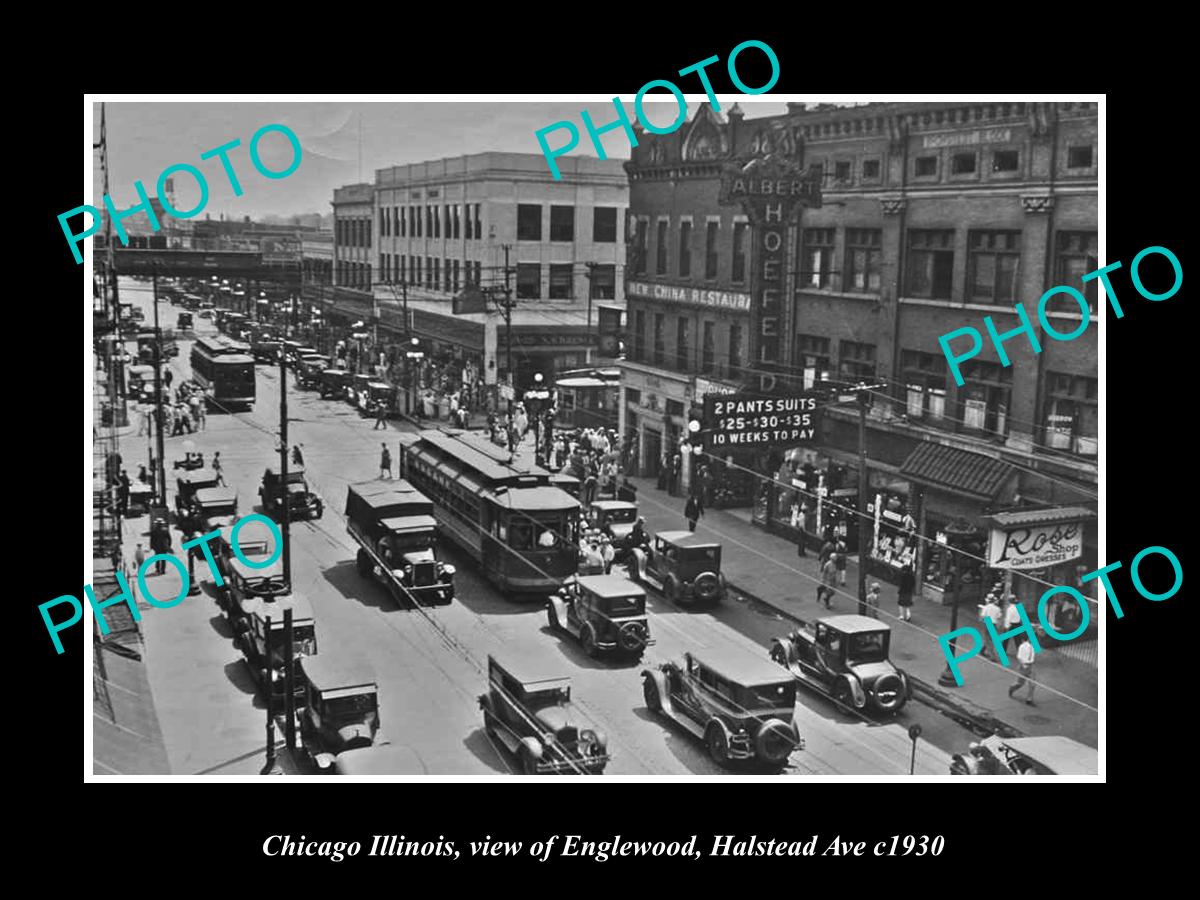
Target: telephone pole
{"x":285,"y":500}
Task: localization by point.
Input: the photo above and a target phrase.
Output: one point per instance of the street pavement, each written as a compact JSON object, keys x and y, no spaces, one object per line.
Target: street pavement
{"x":766,"y":567}
{"x":431,"y":663}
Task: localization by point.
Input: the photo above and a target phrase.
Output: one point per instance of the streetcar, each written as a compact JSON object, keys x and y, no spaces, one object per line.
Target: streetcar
{"x":225,"y":369}
{"x":588,"y":398}
{"x":506,"y":514}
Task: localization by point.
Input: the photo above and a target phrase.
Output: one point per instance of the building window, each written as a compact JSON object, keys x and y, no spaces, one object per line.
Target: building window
{"x":685,"y":248}
{"x":864,"y":259}
{"x":682,"y":354}
{"x":925,"y":384}
{"x":455,"y":280}
{"x":414,"y":221}
{"x":429,"y":221}
{"x":710,"y":249}
{"x":561,"y":281}
{"x":386,"y":266}
{"x":562,"y":223}
{"x":639,"y":246}
{"x":437,"y":274}
{"x":738,"y":274}
{"x":856,"y":362}
{"x":660,"y":347}
{"x":707,"y":348}
{"x":818,"y":257}
{"x":993,"y":262}
{"x":870,"y":170}
{"x":963,"y":164}
{"x":812,"y":358}
{"x":930,"y":263}
{"x":841,"y":172}
{"x":1076,"y":257}
{"x":985,"y":397}
{"x":478,"y":223}
{"x":604,"y":224}
{"x":735,"y":349}
{"x":925,"y":167}
{"x":447,"y":217}
{"x":1079,"y":157}
{"x":403,"y":269}
{"x":529,"y":281}
{"x":660,"y":248}
{"x":529,"y":222}
{"x":455,"y":209}
{"x":1006,"y":161}
{"x":604,"y":281}
{"x":1072,"y":413}
{"x":417,"y":271}
{"x":383,"y":222}
{"x":639,"y":336}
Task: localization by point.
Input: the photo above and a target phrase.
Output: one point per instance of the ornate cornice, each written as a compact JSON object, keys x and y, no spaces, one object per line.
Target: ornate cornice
{"x":1037,"y":203}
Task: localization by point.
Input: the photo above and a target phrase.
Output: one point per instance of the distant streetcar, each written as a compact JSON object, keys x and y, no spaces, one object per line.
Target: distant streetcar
{"x":588,"y":398}
{"x":225,"y":369}
{"x":522,"y":530}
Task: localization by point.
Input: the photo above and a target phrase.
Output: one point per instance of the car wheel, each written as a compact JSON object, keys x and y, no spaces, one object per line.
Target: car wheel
{"x":889,"y":693}
{"x":774,"y":742}
{"x":650,"y":693}
{"x":718,"y":746}
{"x":364,"y":563}
{"x":587,"y":637}
{"x":551,"y":617}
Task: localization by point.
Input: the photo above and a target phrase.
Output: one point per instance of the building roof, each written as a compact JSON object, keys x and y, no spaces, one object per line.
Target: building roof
{"x":949,"y":468}
{"x":1021,"y":517}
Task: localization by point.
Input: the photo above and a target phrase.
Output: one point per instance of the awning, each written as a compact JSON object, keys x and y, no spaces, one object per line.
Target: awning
{"x":960,"y":471}
{"x":1023,"y":517}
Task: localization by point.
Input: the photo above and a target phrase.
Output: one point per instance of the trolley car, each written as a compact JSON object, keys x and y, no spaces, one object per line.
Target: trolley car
{"x":506,"y":514}
{"x":588,"y":398}
{"x":225,"y":369}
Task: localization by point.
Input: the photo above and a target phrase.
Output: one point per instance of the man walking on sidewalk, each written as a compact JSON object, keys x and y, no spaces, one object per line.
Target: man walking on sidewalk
{"x":1012,"y":619}
{"x":385,"y":462}
{"x":990,"y":610}
{"x":841,"y":562}
{"x":825,"y":589}
{"x":692,"y":512}
{"x":1025,"y":656}
{"x":873,"y":601}
{"x":380,"y":416}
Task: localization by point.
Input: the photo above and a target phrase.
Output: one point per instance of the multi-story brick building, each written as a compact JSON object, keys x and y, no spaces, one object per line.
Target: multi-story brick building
{"x":933,"y":215}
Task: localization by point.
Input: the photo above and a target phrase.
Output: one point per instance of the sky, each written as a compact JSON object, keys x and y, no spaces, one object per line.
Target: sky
{"x":146,"y":138}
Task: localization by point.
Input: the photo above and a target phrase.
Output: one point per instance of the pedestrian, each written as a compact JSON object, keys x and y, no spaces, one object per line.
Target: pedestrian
{"x":827,"y":549}
{"x":216,"y":467}
{"x":202,"y":411}
{"x":841,"y":562}
{"x":122,"y":494}
{"x":607,"y":553}
{"x":297,"y":456}
{"x":160,"y":542}
{"x":676,"y":468}
{"x":873,"y":600}
{"x":143,"y":419}
{"x":825,"y":589}
{"x":1025,"y":654}
{"x":168,"y":377}
{"x":692,"y":512}
{"x":1012,"y":619}
{"x":380,"y":416}
{"x":990,"y":611}
{"x":139,"y":557}
{"x":705,"y":485}
{"x":908,"y":582}
{"x":800,"y":547}
{"x":194,"y":410}
{"x":385,"y":462}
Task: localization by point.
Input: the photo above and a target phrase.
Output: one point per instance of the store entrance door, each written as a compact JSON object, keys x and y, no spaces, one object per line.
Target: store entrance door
{"x":653,"y":453}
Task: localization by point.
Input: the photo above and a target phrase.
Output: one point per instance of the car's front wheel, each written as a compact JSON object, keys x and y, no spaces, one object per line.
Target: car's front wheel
{"x":718,"y":745}
{"x":587,"y":637}
{"x":650,"y":693}
{"x":551,"y":617}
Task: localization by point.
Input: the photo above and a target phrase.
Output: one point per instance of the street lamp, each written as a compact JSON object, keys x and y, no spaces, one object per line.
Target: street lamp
{"x":957,"y":533}
{"x":412,"y":355}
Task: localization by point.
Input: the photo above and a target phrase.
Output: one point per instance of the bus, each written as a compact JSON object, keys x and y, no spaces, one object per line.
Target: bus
{"x":521,"y":529}
{"x":588,"y":398}
{"x":225,"y":369}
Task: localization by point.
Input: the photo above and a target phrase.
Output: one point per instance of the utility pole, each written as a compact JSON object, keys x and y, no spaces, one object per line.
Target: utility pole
{"x":158,"y":392}
{"x":271,"y":766}
{"x":289,"y":682}
{"x":591,"y":271}
{"x":864,"y":534}
{"x":508,"y":307}
{"x":285,"y":499}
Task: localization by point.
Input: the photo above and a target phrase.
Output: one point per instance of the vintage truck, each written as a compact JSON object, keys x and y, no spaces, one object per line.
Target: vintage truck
{"x":394,"y":527}
{"x":341,"y":710}
{"x":302,"y":502}
{"x":265,"y":652}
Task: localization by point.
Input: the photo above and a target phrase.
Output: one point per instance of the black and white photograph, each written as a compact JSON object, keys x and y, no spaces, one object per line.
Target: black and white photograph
{"x":725,"y":435}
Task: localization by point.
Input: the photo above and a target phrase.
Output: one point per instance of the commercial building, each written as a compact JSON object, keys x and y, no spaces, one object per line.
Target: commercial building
{"x":929,"y":216}
{"x":353,"y":215}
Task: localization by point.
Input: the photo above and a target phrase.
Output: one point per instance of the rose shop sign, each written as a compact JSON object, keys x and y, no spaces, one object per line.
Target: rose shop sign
{"x":1015,"y":545}
{"x":770,"y":190}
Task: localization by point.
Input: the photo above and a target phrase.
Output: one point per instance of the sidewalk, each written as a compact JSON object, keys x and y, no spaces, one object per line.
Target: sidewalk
{"x":766,"y":568}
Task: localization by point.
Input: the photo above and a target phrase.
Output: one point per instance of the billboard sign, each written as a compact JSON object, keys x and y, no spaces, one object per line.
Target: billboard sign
{"x":757,"y":421}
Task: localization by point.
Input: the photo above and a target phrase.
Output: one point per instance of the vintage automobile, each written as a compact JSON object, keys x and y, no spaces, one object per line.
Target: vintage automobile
{"x":244,"y":581}
{"x":378,"y":394}
{"x":265,"y":654}
{"x":606,"y":612}
{"x":191,"y":460}
{"x":686,"y":568}
{"x":334,"y":383}
{"x":309,"y":369}
{"x":615,"y":518}
{"x":341,"y":709}
{"x":264,"y":345}
{"x":1051,"y":755}
{"x":141,"y":382}
{"x":185,"y":322}
{"x":378,"y":760}
{"x":740,"y":705}
{"x":531,"y":714}
{"x":290,"y":349}
{"x":356,"y":391}
{"x":214,"y":509}
{"x":846,"y":657}
{"x":302,"y":503}
{"x":186,"y":486}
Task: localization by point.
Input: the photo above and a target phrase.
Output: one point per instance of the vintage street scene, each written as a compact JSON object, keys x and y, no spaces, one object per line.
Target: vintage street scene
{"x":657,"y":468}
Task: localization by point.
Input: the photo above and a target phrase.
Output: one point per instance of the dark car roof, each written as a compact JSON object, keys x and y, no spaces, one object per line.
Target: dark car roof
{"x":302,"y":611}
{"x":532,"y":673}
{"x":686,"y":539}
{"x":741,"y":666}
{"x":852,"y":624}
{"x":610,"y":586}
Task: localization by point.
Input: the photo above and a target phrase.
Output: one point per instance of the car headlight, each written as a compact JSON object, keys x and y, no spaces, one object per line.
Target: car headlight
{"x":408,"y":568}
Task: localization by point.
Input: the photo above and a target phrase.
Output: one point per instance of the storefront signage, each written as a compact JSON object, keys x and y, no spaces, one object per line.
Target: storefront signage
{"x":525,"y":339}
{"x":1035,"y":546}
{"x":673,"y":293}
{"x":979,"y":136}
{"x":704,"y":387}
{"x":733,"y":421}
{"x":446,"y":328}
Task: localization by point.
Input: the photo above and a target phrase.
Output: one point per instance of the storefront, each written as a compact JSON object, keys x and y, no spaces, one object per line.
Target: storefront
{"x":654,"y":407}
{"x":454,"y":359}
{"x":546,"y":350}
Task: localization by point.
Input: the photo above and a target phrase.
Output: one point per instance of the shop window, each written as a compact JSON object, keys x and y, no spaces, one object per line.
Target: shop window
{"x":604,"y":224}
{"x":660,"y":248}
{"x":1075,"y":257}
{"x":925,"y":167}
{"x":841,"y":173}
{"x":1079,"y":157}
{"x":818,"y":257}
{"x":963,"y":164}
{"x":735,"y":349}
{"x":562,"y":223}
{"x":674,"y":408}
{"x":660,"y":348}
{"x":604,"y":281}
{"x":710,"y":249}
{"x":561,"y":277}
{"x":925,"y":384}
{"x":1072,"y":413}
{"x":707,"y":348}
{"x":529,"y":281}
{"x":864,"y":259}
{"x":985,"y":397}
{"x":812,"y":357}
{"x":685,"y":248}
{"x":529,"y":222}
{"x":856,"y":362}
{"x":455,"y":279}
{"x":1006,"y":160}
{"x":993,"y":261}
{"x":738,"y":275}
{"x":639,"y":336}
{"x":682,"y":354}
{"x":930,"y":263}
{"x":870,"y":170}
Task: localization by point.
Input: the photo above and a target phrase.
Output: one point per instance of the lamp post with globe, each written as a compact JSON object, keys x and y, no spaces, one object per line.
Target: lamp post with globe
{"x":957,"y":534}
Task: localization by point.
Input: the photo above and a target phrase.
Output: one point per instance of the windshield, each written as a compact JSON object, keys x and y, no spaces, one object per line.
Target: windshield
{"x":770,"y":696}
{"x":867,"y":648}
{"x":626,"y":606}
{"x":304,"y":638}
{"x":212,"y":510}
{"x":422,"y":540}
{"x":702,"y":554}
{"x":622,"y":516}
{"x":354,"y":707}
{"x":539,"y":534}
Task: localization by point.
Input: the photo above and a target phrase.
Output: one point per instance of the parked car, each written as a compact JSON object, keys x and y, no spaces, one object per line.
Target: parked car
{"x":683,"y":566}
{"x":334,"y":383}
{"x":606,"y":612}
{"x":846,"y":657}
{"x":341,"y":710}
{"x":739,"y":704}
{"x":380,"y":759}
{"x":1051,"y":755}
{"x":531,"y":714}
{"x":302,"y":503}
{"x":245,"y":581}
{"x":186,"y":486}
{"x":265,"y":654}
